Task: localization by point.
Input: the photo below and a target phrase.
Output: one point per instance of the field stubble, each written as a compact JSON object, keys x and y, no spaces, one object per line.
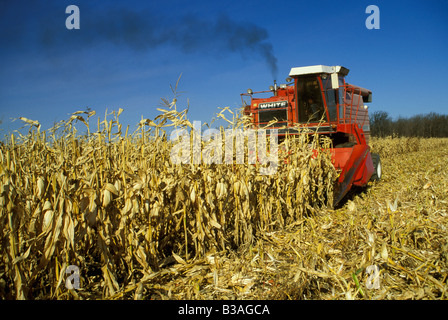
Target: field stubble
{"x":139,"y":227}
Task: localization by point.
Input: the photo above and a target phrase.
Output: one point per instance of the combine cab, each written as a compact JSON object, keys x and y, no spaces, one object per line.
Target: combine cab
{"x":319,"y":98}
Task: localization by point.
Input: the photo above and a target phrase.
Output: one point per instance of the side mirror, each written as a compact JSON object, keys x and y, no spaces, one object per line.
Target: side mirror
{"x":367,"y":98}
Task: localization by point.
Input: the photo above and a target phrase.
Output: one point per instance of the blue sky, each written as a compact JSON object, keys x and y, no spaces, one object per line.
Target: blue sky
{"x":127,"y":53}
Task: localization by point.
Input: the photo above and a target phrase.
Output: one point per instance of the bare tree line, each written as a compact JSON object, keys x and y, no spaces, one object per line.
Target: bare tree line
{"x":420,"y":125}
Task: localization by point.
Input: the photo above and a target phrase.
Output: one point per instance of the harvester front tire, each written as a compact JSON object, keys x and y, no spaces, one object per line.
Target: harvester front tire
{"x":376,"y":167}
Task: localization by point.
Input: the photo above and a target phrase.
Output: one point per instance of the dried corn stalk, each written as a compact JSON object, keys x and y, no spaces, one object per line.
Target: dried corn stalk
{"x":113,"y":203}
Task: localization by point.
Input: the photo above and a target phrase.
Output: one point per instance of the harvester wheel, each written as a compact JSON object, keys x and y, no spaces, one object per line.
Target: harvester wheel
{"x":377,"y":167}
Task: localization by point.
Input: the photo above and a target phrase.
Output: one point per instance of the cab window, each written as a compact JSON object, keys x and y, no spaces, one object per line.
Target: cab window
{"x":330,"y":96}
{"x":309,"y":99}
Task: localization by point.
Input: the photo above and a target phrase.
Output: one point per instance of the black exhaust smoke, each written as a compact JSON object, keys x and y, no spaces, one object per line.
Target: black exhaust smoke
{"x":144,"y":30}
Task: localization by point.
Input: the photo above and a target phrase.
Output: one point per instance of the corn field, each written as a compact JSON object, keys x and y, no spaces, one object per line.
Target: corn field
{"x":138,"y":226}
{"x":115,"y":206}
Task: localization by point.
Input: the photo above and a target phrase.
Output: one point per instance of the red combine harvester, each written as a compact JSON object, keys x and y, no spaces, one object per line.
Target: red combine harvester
{"x":320,"y":100}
